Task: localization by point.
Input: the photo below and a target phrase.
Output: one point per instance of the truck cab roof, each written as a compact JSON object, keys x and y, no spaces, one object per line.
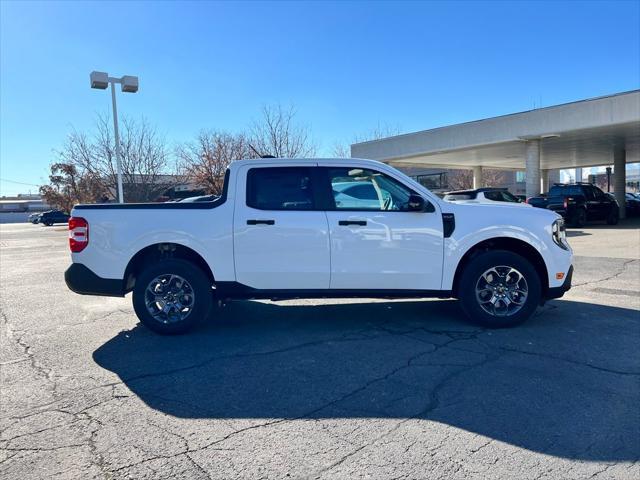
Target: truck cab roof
{"x":266,"y":160}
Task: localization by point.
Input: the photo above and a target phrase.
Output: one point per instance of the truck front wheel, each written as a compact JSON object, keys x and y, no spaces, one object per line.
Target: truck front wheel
{"x":499,"y":288}
{"x":171,"y":296}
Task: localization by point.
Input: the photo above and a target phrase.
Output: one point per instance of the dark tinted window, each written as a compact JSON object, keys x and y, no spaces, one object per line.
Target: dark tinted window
{"x":565,"y":190}
{"x":500,"y":196}
{"x":599,"y":194}
{"x":495,"y":196}
{"x":589,"y":193}
{"x":509,"y":197}
{"x":280,"y":188}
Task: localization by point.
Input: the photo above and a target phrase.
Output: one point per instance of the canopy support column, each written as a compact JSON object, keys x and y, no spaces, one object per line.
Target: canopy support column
{"x":544,"y":174}
{"x":532,"y":167}
{"x":620,"y":178}
{"x":477,"y":177}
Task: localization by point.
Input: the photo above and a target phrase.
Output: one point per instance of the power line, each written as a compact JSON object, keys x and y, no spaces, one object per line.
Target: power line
{"x":18,"y":183}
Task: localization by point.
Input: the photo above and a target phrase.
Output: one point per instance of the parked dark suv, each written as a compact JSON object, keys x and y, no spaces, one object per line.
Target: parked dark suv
{"x":53,"y":216}
{"x":579,"y":203}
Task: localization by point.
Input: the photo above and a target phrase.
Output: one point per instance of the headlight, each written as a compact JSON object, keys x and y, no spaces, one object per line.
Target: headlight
{"x":559,"y":234}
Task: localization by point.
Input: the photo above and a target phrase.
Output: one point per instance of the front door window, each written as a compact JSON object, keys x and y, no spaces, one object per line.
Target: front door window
{"x":363,"y":189}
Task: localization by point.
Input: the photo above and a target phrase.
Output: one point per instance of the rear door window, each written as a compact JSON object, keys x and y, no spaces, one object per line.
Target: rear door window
{"x":280,"y":188}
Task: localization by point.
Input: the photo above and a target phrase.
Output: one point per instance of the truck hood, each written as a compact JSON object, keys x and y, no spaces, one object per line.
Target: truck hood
{"x":487,"y":213}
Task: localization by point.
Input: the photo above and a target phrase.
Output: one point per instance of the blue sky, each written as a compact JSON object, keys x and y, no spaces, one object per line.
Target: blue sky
{"x":347,"y":67}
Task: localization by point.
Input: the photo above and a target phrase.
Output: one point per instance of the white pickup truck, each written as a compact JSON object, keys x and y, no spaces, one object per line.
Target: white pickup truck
{"x":318,"y":228}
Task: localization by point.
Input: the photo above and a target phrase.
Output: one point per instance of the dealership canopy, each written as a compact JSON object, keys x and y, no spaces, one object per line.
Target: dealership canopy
{"x":593,"y":132}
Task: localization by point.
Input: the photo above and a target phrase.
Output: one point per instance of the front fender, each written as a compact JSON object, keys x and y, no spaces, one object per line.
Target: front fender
{"x":457,"y":246}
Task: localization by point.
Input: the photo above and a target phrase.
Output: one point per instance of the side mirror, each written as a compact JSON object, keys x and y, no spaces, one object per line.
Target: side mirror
{"x":417,"y":203}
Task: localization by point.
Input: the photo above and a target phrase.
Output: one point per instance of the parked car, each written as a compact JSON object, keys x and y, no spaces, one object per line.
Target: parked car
{"x":631,"y":201}
{"x":357,"y":194}
{"x":483,"y":195}
{"x":277,"y":232}
{"x":53,"y":216}
{"x":34,"y":217}
{"x":579,"y":203}
{"x":633,"y":204}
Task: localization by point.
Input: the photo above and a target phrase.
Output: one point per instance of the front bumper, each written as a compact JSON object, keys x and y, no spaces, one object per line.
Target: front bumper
{"x":82,"y":280}
{"x":557,"y":292}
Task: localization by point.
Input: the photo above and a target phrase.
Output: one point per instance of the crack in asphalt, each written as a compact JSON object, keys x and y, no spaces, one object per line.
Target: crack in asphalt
{"x":453,"y":336}
{"x":433,"y":403}
{"x":622,"y":270}
{"x":19,"y":339}
{"x":568,"y":360}
{"x":484,"y":445}
{"x":309,"y":413}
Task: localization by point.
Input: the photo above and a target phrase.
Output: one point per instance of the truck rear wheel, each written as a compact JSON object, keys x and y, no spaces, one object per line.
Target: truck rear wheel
{"x":172,"y":296}
{"x":499,"y":289}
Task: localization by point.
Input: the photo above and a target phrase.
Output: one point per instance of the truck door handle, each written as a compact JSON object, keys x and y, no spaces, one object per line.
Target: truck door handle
{"x":261,"y":222}
{"x":361,"y":223}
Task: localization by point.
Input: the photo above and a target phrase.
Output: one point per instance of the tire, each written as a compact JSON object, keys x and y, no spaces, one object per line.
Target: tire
{"x":194,"y":291}
{"x":473,"y":277}
{"x":579,"y":218}
{"x":47,"y":224}
{"x":613,"y":217}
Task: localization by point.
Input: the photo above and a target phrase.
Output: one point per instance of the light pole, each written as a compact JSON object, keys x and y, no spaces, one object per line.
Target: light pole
{"x":128,"y":84}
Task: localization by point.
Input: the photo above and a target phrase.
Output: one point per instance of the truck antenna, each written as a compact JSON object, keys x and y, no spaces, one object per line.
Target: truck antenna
{"x":259,"y":154}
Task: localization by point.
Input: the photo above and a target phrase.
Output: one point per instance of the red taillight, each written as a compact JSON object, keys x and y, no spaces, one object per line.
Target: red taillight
{"x":78,"y":234}
{"x":566,"y":203}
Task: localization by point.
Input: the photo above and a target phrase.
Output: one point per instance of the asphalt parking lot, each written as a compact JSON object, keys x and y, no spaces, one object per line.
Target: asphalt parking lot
{"x":320,"y":389}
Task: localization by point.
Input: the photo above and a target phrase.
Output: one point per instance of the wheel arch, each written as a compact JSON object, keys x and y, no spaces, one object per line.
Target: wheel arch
{"x":520,"y":247}
{"x":159,"y":251}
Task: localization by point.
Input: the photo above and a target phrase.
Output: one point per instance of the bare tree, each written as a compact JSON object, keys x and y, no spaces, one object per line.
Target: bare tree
{"x":146,"y":164}
{"x":378,"y":132}
{"x":459,"y":179}
{"x":492,"y":177}
{"x":205,"y":160}
{"x":601,"y":182}
{"x":278,"y":134}
{"x":341,"y":150}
